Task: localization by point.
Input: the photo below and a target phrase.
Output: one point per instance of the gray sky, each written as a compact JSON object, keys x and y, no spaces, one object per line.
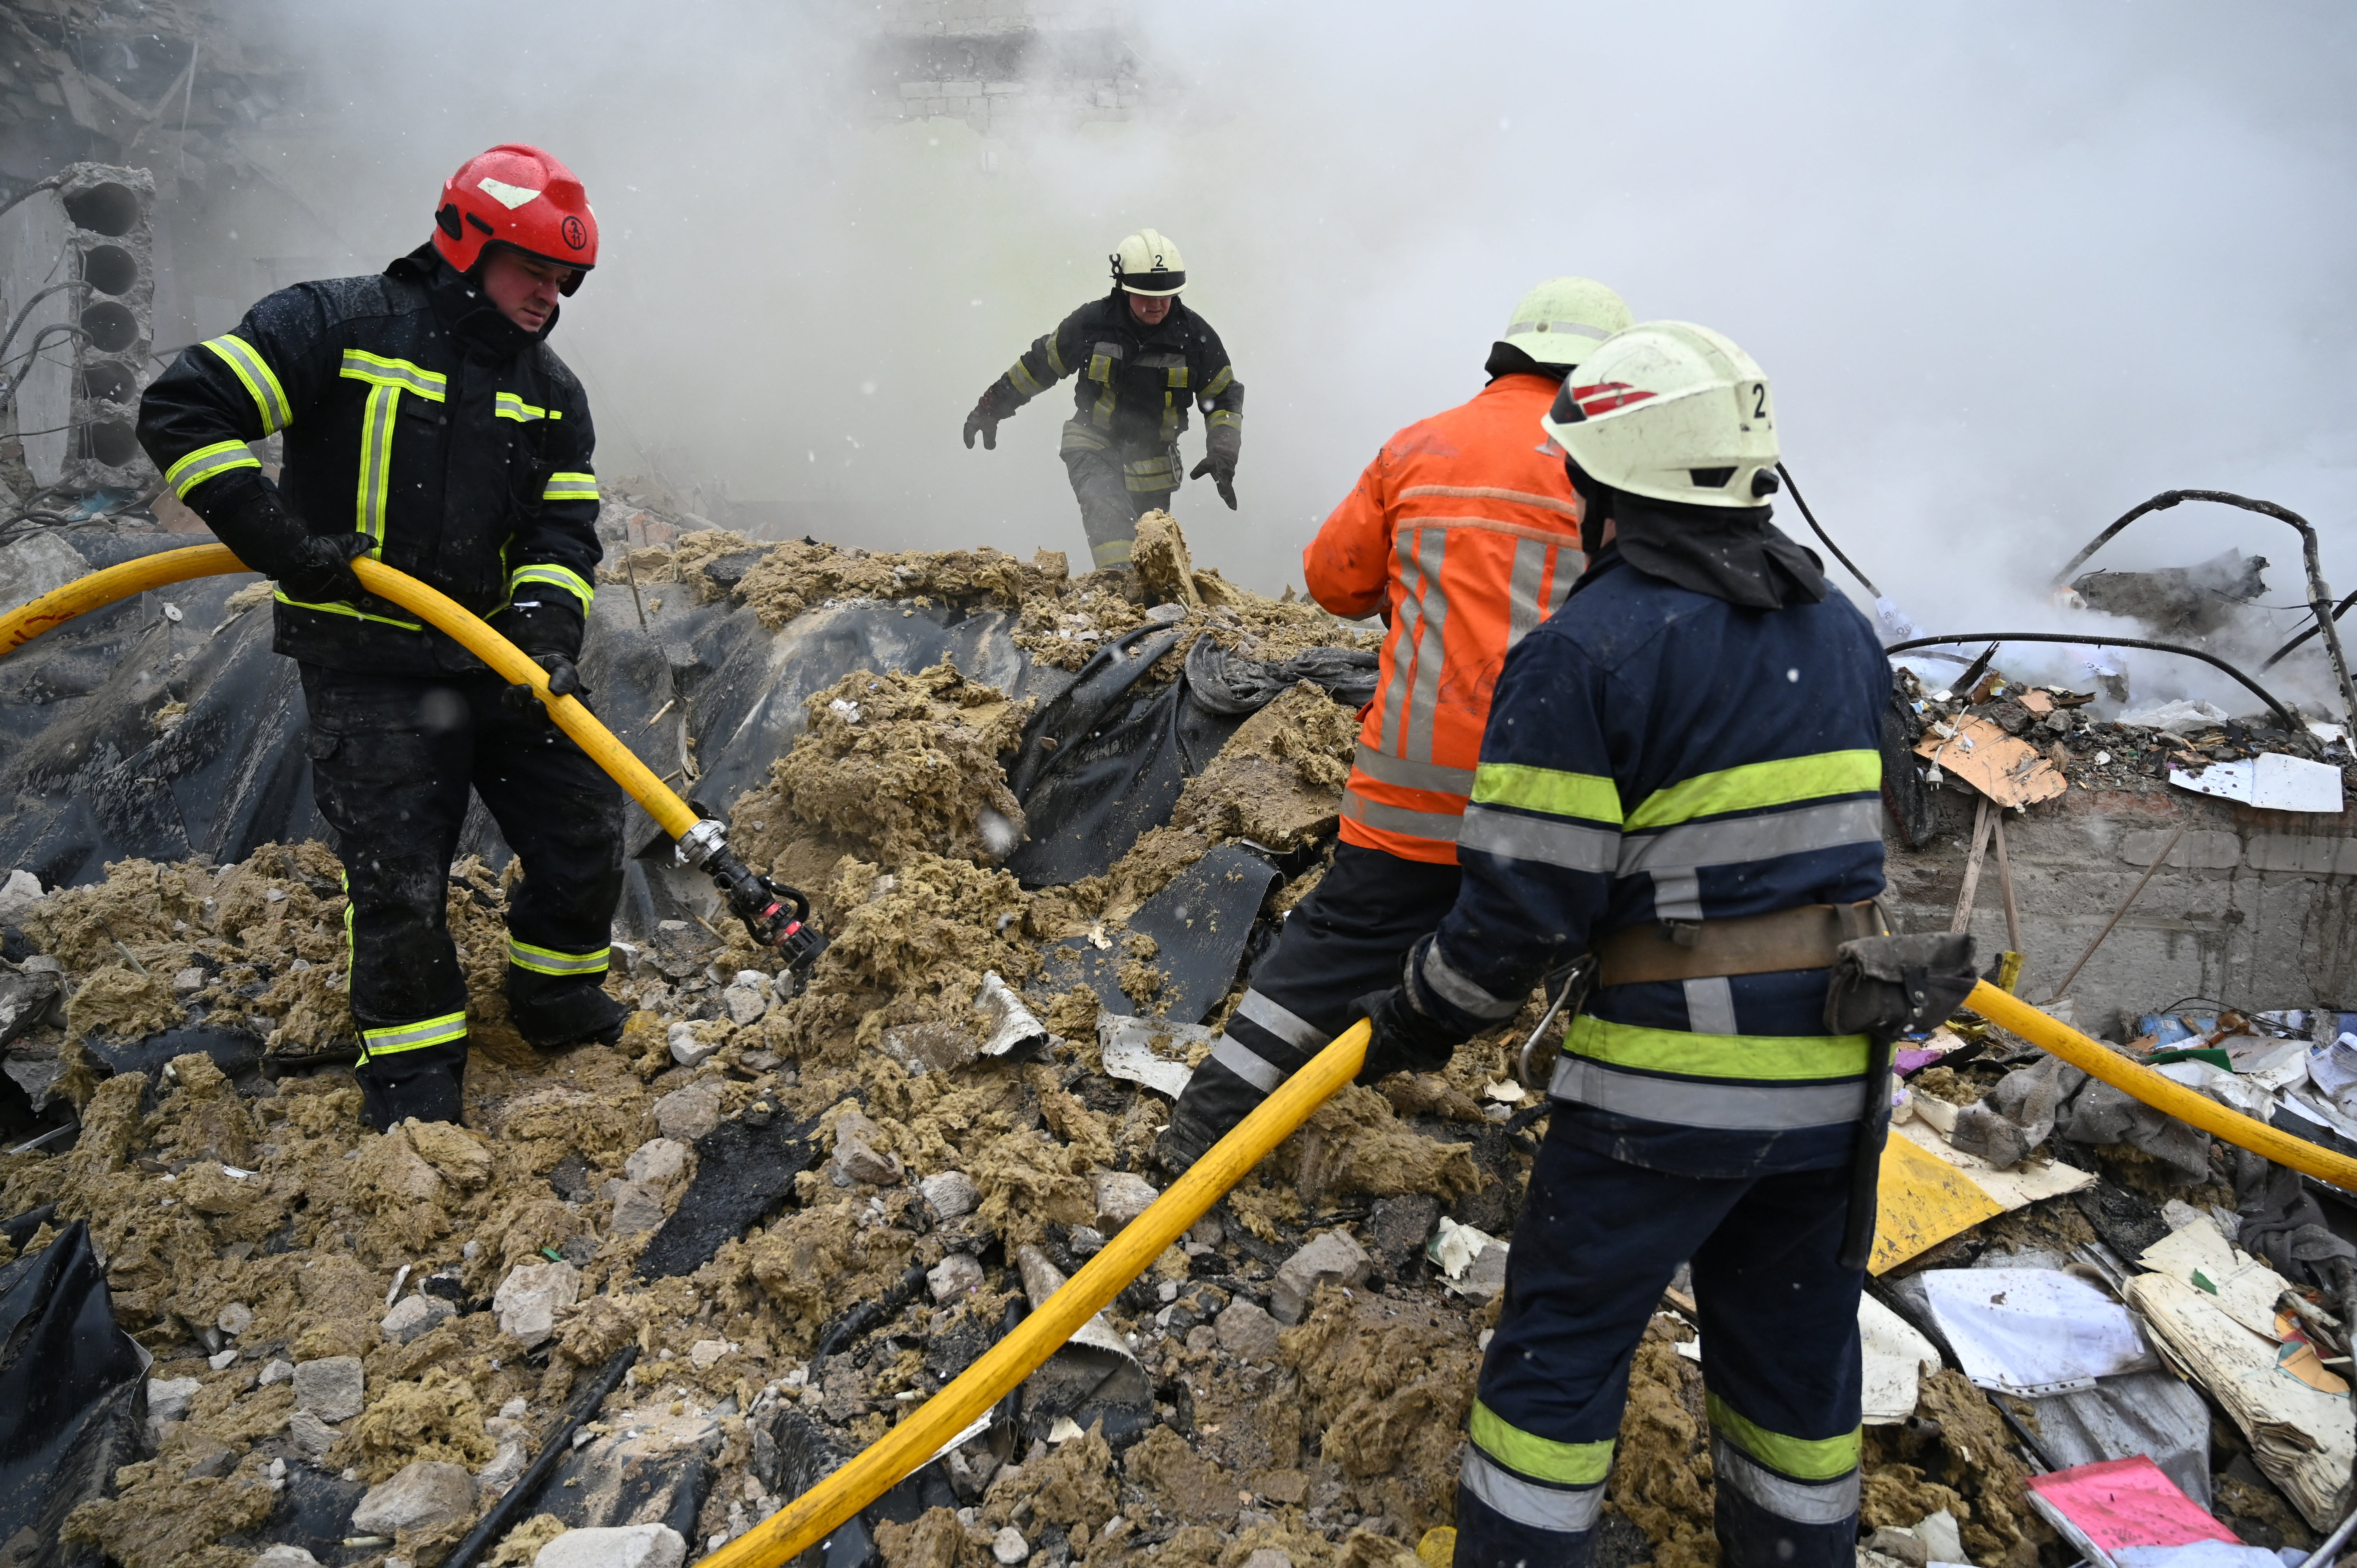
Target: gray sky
{"x":2012,"y":267}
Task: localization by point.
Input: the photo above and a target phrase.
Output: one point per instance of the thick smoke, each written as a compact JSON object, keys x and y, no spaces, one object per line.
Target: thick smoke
{"x":2013,"y":268}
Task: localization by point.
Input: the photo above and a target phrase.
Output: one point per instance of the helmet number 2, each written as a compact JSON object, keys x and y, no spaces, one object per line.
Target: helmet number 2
{"x":1759,"y":400}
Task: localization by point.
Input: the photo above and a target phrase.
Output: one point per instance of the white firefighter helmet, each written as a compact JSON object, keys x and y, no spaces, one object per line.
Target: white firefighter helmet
{"x":1148,"y":263}
{"x":1561,"y":321}
{"x":1673,"y":411}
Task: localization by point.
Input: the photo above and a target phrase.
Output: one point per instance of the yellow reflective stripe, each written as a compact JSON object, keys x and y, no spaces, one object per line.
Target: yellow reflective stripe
{"x":1113,"y":553}
{"x":1754,"y":1057}
{"x":1219,"y":382}
{"x":1804,"y":1458}
{"x":377,"y":369}
{"x":205,"y":462}
{"x":548,"y":960}
{"x":1548,"y":790}
{"x":344,"y":609}
{"x":508,"y":405}
{"x":1542,"y":1458}
{"x":1219,"y":417}
{"x":413,"y":1036}
{"x":563,"y":577}
{"x":1024,"y":380}
{"x":570,"y":488}
{"x":251,"y":368}
{"x":1055,"y":359}
{"x":376,"y":461}
{"x":1757,"y":785}
{"x":1179,"y":376}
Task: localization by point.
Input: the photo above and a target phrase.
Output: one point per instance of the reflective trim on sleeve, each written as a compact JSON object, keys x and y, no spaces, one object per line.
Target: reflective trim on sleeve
{"x":1112,"y":553}
{"x":1548,"y":790}
{"x":1223,"y":416}
{"x":246,"y":361}
{"x":1248,"y":1064}
{"x":1283,"y":1022}
{"x":411,"y":1037}
{"x":1460,"y":989}
{"x":508,"y":405}
{"x":563,"y":577}
{"x":339,"y":608}
{"x":1056,"y":360}
{"x":1759,"y":785}
{"x":1224,"y":378}
{"x":1023,"y":381}
{"x":1528,"y":1504}
{"x":1732,"y":840}
{"x":1442,"y":827}
{"x":1753,"y":1058}
{"x":1542,"y":1458}
{"x":207,"y":461}
{"x":380,"y":370}
{"x":1807,"y":1458}
{"x":1832,"y":1502}
{"x":548,"y":960}
{"x":1407,"y":774}
{"x":1697,"y":1102}
{"x":1547,"y":841}
{"x":570,"y":488}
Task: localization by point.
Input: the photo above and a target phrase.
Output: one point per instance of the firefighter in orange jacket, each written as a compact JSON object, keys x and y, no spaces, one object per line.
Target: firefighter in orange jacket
{"x":1464,"y":531}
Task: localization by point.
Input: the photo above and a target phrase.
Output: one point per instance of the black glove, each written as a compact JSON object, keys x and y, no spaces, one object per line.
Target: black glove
{"x":984,"y":423}
{"x":564,"y":681}
{"x":548,"y":632}
{"x":1222,"y":469}
{"x":1404,"y":1037}
{"x":321,"y":569}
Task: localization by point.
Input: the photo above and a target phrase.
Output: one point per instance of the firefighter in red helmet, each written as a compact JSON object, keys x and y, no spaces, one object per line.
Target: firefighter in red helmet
{"x":428,"y":425}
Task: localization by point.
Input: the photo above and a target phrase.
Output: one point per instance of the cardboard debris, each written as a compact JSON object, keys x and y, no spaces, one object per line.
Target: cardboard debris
{"x":2009,"y":772}
{"x":1932,"y":1190}
{"x":2122,"y":1505}
{"x":1896,"y":1357}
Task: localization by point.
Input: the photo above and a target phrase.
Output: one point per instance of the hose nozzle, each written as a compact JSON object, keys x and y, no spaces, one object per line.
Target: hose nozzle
{"x":777,"y":915}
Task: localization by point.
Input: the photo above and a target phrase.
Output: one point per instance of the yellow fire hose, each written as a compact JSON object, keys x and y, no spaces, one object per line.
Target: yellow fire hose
{"x":809,"y":1519}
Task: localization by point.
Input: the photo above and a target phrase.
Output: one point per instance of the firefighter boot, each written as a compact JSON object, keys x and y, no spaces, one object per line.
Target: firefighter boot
{"x":427,"y":1084}
{"x":553,"y":1010}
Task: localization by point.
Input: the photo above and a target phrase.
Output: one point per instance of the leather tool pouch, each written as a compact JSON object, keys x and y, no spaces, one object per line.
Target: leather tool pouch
{"x":1890,"y":986}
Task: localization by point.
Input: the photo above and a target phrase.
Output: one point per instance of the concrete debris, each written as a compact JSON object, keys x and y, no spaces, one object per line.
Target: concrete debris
{"x":952,"y":1194}
{"x":1009,"y":1547}
{"x":423,"y":1494}
{"x":414,"y":1316}
{"x":284,"y":1557}
{"x":1333,"y":1259}
{"x":954,"y":1277}
{"x":631,"y":1546}
{"x":1121,"y":1197}
{"x":529,"y":1299}
{"x":329,"y":1388}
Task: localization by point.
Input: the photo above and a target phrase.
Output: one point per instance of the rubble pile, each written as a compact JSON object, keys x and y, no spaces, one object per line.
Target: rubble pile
{"x":777,"y":1215}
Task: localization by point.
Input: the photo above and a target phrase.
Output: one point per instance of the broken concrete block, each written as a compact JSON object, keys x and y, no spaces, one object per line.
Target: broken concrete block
{"x":1010,"y":1547}
{"x":532,"y":1296}
{"x":746,"y":1005}
{"x":952,"y":1194}
{"x":953,"y":1277}
{"x":1248,"y":1333}
{"x":635,"y":1209}
{"x":658,"y":1164}
{"x":18,"y":893}
{"x":234,"y":1319}
{"x":500,"y":1473}
{"x":415,"y":1315}
{"x":1397,"y":1228}
{"x":284,"y":1556}
{"x":329,"y":1388}
{"x":1122,"y":1197}
{"x":188,"y":982}
{"x":856,"y":1156}
{"x":275,"y":1371}
{"x":628,"y":1546}
{"x":428,"y":1492}
{"x":689,"y":1113}
{"x":688,"y":1045}
{"x":220,"y":1360}
{"x":1332,"y":1259}
{"x":1270,"y":1557}
{"x":215,"y":1462}
{"x":168,"y":1401}
{"x":311,"y":1437}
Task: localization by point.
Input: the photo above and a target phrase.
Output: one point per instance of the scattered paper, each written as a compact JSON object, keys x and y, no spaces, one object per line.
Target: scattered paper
{"x":1471,"y":1262}
{"x":2033,"y":1331}
{"x":2009,"y":772}
{"x":1896,"y":1357}
{"x":1133,"y":1049}
{"x":2124,"y":1505}
{"x":2270,"y":781}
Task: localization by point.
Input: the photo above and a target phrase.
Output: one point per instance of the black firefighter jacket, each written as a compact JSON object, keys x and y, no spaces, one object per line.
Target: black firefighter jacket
{"x":413,"y":413}
{"x":1135,"y":381}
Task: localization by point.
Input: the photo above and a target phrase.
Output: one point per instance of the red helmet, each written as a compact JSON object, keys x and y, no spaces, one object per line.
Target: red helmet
{"x":522,"y":197}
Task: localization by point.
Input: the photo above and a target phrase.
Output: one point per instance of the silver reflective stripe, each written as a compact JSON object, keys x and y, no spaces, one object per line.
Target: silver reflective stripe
{"x":1401,"y":673}
{"x":1802,"y":1502}
{"x":1571,"y":328}
{"x":1549,"y":841}
{"x":1689,"y":1102}
{"x":1677,"y":896}
{"x":1452,"y":983}
{"x":1384,"y":769}
{"x":1523,"y":611}
{"x":1440,"y":826}
{"x":1431,"y":646}
{"x":1559,"y":589}
{"x":1710,"y":1005}
{"x":1566,"y":1509}
{"x":1732,"y":840}
{"x":1247,"y":1064}
{"x":376,"y":457}
{"x":1293,"y":1029}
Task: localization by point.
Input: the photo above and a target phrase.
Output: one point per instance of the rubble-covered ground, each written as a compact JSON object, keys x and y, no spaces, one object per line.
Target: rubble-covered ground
{"x":395,"y":1322}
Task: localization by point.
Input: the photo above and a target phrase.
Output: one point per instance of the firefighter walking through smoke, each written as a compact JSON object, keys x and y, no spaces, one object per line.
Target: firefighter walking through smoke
{"x":428,"y":425}
{"x":1681,"y":777}
{"x":1465,"y":533}
{"x":1142,"y":358}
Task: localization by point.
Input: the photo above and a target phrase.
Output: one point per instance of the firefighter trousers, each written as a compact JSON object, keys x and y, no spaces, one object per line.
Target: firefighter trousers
{"x":1116,"y":487}
{"x":1597,"y":1242}
{"x":393,"y":760}
{"x":1348,"y":937}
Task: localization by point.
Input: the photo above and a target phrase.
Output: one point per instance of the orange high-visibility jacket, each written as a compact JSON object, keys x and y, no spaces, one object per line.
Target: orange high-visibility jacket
{"x":1467,"y":527}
